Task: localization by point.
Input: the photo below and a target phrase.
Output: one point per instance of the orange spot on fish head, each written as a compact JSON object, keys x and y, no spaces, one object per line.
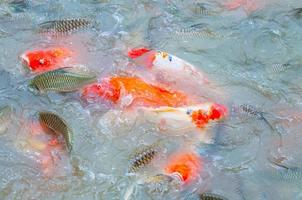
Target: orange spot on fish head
{"x":200,"y":118}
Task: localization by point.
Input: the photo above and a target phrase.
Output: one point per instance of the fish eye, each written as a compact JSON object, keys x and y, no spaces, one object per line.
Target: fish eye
{"x":189,"y":111}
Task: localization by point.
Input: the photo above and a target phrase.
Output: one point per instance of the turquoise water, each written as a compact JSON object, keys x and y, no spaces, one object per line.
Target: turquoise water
{"x":252,"y":57}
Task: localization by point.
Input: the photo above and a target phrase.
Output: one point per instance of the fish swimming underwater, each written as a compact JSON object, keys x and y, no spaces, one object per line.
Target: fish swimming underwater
{"x":143,"y":157}
{"x":61,"y":80}
{"x":211,"y":196}
{"x":58,"y":126}
{"x":5,"y":118}
{"x":46,"y":59}
{"x":129,"y":91}
{"x":186,"y":165}
{"x":64,"y":26}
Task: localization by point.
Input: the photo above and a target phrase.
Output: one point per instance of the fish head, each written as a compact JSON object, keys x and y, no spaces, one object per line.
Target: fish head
{"x":44,"y":60}
{"x":202,"y":114}
{"x":36,"y":60}
{"x":142,"y":56}
{"x":101,"y":91}
{"x":185,"y":165}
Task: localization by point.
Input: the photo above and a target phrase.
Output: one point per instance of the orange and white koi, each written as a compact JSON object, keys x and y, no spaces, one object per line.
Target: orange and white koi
{"x":163,"y":62}
{"x":186,"y":119}
{"x":133,"y":91}
{"x":46,"y":59}
{"x":186,"y":165}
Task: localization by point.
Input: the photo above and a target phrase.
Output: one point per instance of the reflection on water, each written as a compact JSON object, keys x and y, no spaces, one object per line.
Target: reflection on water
{"x":250,"y":52}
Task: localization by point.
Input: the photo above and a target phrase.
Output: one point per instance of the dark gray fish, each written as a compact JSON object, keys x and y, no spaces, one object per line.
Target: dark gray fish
{"x":61,"y":80}
{"x":64,"y":26}
{"x":252,"y":111}
{"x":287,"y":174}
{"x":57,"y":125}
{"x":143,"y":157}
{"x":297,"y":12}
{"x":211,"y":196}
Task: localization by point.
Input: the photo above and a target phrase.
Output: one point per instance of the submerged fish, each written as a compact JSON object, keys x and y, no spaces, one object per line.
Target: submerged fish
{"x":161,"y":183}
{"x":186,"y":165}
{"x":45,"y":60}
{"x":143,"y":157}
{"x":278,"y":68}
{"x":61,"y":80}
{"x":211,"y":196}
{"x":5,"y":116}
{"x":129,"y":91}
{"x":297,"y":12}
{"x":58,"y":126}
{"x":198,"y":31}
{"x":252,"y":111}
{"x":64,"y":26}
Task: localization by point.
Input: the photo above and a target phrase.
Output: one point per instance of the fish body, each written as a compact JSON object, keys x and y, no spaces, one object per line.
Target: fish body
{"x":161,"y":183}
{"x":46,"y":59}
{"x":297,"y":12}
{"x":130,"y":91}
{"x":143,"y":157}
{"x":197,"y":31}
{"x":186,"y":118}
{"x":64,"y":26}
{"x":211,"y":196}
{"x":57,"y":125}
{"x":61,"y":80}
{"x":168,"y":64}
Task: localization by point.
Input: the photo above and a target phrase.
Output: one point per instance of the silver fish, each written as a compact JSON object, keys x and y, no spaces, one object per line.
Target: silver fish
{"x":198,"y":31}
{"x":64,"y":26}
{"x":61,"y":80}
{"x":57,"y":125}
{"x":161,"y":183}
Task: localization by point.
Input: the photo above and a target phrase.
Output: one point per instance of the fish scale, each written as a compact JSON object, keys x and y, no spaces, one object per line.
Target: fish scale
{"x":211,"y":196}
{"x":64,"y":26}
{"x":61,"y":81}
{"x":58,"y":125}
{"x":143,"y":158}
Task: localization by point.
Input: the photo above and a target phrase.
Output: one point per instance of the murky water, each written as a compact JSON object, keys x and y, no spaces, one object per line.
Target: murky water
{"x":251,"y":53}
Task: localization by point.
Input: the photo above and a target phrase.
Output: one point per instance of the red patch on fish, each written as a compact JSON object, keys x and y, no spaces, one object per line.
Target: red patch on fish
{"x":218,"y":111}
{"x":134,"y":53}
{"x":143,"y":56}
{"x":188,"y":165}
{"x":45,"y":60}
{"x":248,"y":5}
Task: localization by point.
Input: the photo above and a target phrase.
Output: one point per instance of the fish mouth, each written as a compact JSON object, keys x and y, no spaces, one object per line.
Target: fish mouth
{"x":24,"y":60}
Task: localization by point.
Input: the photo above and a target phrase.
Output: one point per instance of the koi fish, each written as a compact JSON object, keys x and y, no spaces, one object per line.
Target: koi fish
{"x":187,"y":118}
{"x":129,"y":91}
{"x":248,"y":5}
{"x":45,"y":60}
{"x":163,"y":62}
{"x":187,"y":165}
